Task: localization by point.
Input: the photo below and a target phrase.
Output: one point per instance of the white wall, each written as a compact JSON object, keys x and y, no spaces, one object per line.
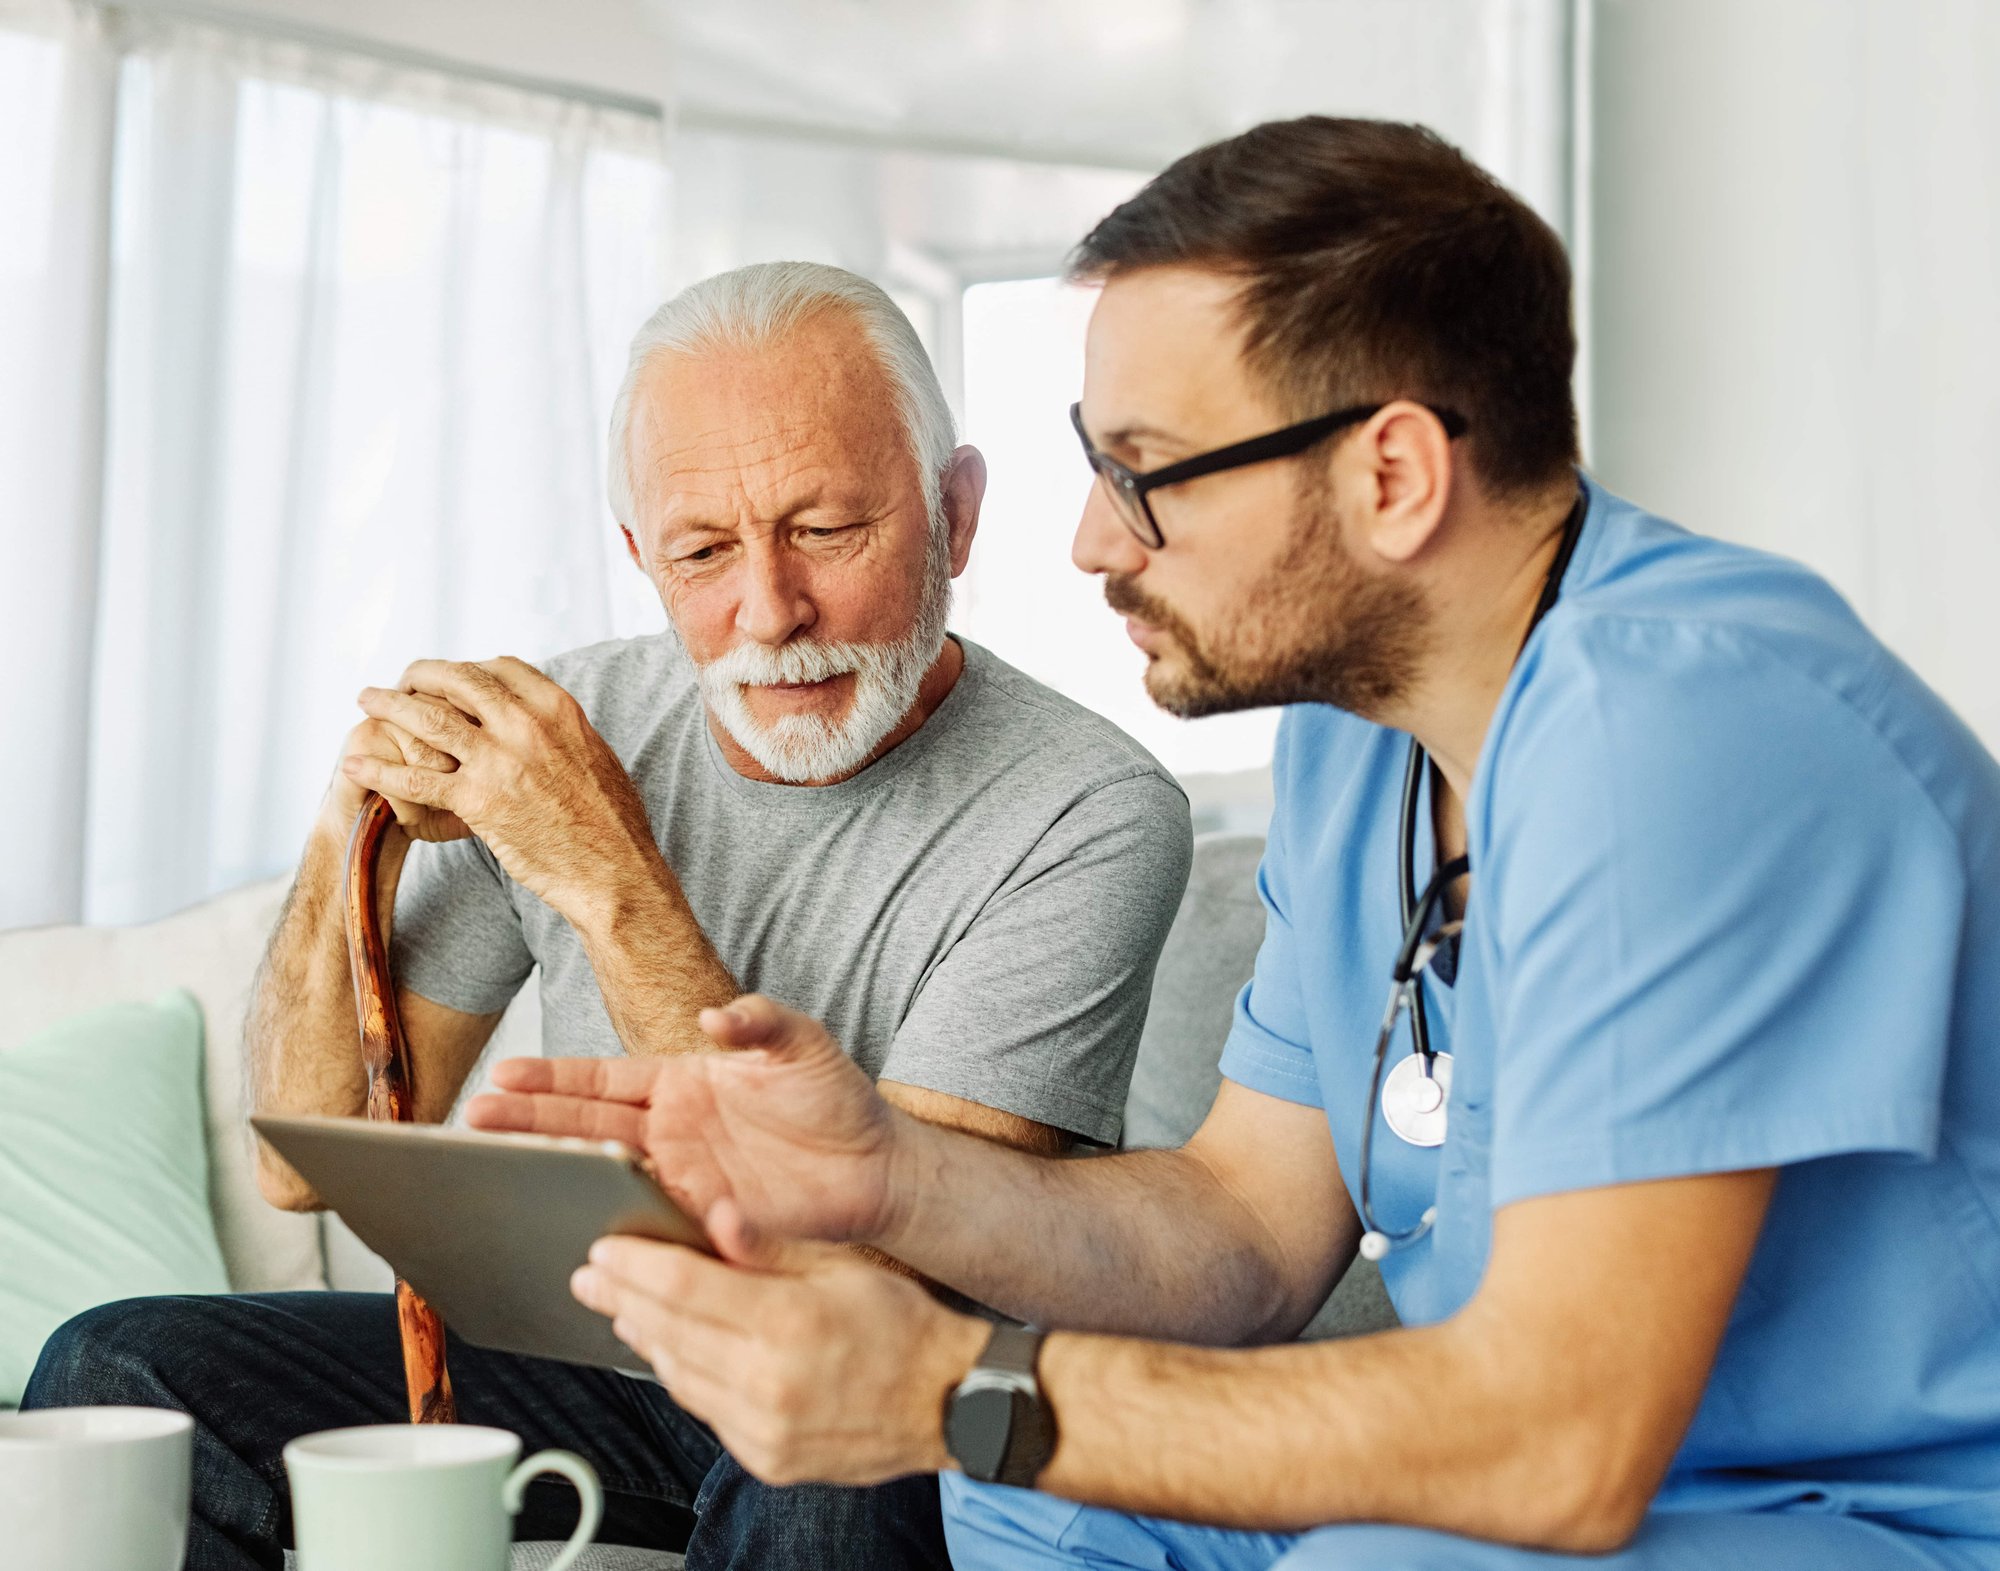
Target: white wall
{"x":1795,"y":322}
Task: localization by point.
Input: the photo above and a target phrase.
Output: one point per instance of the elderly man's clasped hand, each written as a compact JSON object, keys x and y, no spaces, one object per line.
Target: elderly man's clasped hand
{"x":807,"y":1360}
{"x":510,"y":757}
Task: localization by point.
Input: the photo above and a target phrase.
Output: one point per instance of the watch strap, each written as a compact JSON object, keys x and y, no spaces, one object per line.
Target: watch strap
{"x":1011,"y":1354}
{"x":1012,"y":1350}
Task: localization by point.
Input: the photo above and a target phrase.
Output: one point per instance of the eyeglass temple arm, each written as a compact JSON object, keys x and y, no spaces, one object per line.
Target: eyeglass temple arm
{"x":1280,"y":444}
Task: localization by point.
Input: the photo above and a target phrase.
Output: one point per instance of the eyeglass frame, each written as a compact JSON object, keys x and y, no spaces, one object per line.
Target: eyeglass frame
{"x":1131,"y":488}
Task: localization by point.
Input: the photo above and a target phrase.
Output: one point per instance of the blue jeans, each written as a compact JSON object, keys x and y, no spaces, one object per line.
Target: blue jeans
{"x":258,"y":1371}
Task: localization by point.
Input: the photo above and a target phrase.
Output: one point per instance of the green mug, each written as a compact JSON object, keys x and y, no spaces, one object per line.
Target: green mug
{"x":421,"y":1497}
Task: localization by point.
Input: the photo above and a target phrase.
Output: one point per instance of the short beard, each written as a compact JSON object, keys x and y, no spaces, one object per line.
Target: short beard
{"x":1318,"y":630}
{"x":799,"y":749}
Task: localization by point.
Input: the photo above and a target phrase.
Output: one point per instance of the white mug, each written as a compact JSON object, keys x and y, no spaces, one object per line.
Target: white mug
{"x":83,"y":1488}
{"x":421,"y":1497}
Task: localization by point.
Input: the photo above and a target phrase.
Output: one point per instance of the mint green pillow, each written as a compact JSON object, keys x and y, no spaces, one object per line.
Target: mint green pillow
{"x":103,"y":1172}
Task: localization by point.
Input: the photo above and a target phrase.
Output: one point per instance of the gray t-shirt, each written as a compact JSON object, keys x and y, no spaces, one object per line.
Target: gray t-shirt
{"x":978,"y":913}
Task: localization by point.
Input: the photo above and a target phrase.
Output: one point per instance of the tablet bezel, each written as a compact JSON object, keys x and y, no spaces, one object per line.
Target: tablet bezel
{"x":487,"y":1227}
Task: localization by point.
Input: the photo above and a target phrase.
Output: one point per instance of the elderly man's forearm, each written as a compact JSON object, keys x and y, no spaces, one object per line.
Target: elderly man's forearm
{"x":300,"y":1032}
{"x":654,"y":965}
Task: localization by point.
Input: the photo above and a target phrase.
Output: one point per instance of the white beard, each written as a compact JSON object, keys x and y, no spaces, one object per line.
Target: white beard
{"x":802,"y":748}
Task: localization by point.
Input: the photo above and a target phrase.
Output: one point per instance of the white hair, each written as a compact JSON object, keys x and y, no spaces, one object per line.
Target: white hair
{"x":756,"y":305}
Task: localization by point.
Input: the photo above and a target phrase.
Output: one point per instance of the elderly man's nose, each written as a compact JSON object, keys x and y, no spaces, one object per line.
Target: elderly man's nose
{"x":774,"y":605}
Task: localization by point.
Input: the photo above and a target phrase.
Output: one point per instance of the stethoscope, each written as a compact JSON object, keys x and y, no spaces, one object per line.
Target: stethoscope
{"x":1417,"y":1094}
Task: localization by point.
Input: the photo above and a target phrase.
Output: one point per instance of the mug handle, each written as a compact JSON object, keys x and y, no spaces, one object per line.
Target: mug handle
{"x":579,"y":1473}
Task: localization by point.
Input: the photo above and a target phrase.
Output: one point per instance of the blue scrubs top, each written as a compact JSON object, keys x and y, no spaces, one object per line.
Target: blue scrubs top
{"x":1735,"y":904}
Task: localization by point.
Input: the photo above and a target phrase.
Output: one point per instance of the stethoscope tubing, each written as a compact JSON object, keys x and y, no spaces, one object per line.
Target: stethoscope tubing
{"x":1406,"y":993}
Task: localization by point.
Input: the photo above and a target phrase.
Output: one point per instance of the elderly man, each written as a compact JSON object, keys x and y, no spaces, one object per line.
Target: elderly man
{"x":807,"y":788}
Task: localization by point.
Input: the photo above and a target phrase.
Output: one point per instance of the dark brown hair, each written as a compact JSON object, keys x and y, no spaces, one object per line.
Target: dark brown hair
{"x":1378,"y":262}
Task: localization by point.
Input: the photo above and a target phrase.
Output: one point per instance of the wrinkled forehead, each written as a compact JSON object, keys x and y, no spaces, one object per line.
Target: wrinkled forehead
{"x":767,"y":425}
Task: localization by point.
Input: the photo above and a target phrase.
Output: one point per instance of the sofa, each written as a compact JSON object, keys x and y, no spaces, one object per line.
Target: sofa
{"x":47,"y":974}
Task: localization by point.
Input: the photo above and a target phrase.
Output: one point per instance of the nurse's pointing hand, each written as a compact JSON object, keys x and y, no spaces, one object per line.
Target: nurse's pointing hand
{"x":786,"y":1126}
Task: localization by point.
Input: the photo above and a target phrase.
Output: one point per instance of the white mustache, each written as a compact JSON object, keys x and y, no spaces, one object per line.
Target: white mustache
{"x":803,"y":660}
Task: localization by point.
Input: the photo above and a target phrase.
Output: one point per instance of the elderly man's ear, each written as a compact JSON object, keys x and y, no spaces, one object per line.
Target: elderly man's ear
{"x":964,"y":490}
{"x":632,"y":548}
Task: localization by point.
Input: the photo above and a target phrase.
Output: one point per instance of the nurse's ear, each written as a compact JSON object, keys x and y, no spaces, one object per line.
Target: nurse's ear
{"x":1397,"y":481}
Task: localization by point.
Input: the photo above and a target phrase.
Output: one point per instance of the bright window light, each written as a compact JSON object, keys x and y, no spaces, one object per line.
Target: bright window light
{"x":1021,"y":597}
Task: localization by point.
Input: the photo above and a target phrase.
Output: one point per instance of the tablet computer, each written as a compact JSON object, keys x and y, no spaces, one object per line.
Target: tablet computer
{"x":487,"y":1227}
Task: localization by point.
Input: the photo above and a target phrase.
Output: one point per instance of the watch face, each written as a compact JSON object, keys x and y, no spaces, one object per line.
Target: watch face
{"x":976,"y":1431}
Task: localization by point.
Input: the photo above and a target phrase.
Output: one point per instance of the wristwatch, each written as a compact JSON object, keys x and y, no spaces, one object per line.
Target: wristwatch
{"x":996,"y":1424}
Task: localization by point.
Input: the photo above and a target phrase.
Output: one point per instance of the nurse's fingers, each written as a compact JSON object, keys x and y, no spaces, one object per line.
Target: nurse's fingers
{"x":608,"y":1079}
{"x":547,"y":1114}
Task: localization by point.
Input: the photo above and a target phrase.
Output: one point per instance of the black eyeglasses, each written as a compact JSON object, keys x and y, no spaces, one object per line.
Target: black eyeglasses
{"x":1130,"y":489}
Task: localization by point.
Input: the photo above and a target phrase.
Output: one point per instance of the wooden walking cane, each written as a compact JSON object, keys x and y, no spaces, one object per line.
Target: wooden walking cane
{"x":387,"y":1056}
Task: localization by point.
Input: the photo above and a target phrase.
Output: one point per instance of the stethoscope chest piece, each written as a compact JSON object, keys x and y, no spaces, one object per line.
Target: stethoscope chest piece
{"x":1415,"y":1104}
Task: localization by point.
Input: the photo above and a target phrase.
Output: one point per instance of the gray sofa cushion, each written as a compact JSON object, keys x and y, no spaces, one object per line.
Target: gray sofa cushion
{"x":1208,"y":957}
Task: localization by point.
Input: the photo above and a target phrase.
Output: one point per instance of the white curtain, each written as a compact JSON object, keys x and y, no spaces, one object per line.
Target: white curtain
{"x":347,"y":408}
{"x":57,"y":79}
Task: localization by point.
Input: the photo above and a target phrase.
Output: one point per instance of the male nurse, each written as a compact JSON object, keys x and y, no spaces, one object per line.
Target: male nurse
{"x":1689,"y":1199}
